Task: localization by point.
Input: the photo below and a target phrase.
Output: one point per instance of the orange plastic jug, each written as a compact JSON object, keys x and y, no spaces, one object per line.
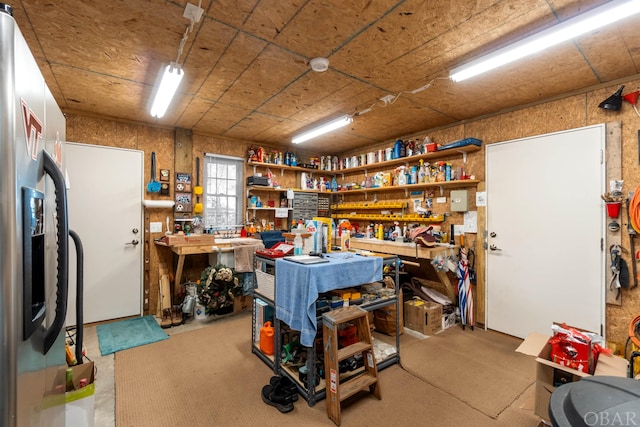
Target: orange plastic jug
{"x":266,"y":338}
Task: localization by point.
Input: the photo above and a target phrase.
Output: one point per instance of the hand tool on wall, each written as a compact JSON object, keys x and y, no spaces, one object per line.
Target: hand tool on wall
{"x":153,"y":186}
{"x":197,"y":190}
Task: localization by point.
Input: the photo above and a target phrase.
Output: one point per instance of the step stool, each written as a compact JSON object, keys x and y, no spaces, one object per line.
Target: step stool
{"x":338,"y":391}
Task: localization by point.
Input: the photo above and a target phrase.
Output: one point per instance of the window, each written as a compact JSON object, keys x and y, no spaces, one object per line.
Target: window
{"x":223,"y":183}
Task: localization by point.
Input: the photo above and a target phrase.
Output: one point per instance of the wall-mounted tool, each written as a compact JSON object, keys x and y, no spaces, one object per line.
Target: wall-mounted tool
{"x":153,"y":186}
{"x":197,"y":190}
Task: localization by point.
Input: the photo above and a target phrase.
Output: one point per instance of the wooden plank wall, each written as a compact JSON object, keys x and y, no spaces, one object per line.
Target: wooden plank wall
{"x":560,"y":114}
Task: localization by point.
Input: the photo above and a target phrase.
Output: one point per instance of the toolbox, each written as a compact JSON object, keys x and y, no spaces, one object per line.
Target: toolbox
{"x":278,"y":250}
{"x":257,"y":180}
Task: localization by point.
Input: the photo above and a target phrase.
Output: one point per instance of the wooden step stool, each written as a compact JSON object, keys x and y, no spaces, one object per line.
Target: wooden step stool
{"x":337,"y":391}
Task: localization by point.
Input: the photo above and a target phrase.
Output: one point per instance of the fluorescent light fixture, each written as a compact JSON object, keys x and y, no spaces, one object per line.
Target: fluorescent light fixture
{"x":322,"y":129}
{"x":589,"y":21}
{"x":171,"y":79}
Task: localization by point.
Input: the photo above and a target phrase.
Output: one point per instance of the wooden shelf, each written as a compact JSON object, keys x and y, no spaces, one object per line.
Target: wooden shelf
{"x":410,"y":187}
{"x":281,"y":189}
{"x":370,"y":206}
{"x":440,"y":154}
{"x":387,"y":164}
{"x":282,"y":167}
{"x":391,"y":218}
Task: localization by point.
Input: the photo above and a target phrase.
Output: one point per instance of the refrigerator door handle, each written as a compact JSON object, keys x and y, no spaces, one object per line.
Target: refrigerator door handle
{"x":51,"y":169}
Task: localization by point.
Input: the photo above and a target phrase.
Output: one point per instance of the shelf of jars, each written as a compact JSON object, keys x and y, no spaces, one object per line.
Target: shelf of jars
{"x":411,"y":187}
{"x":387,"y":164}
{"x":282,"y":168}
{"x":390,"y":217}
{"x":373,"y":205}
{"x":356,"y":189}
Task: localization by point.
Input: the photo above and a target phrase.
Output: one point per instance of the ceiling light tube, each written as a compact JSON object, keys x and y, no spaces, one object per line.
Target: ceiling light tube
{"x":322,"y":129}
{"x":171,"y":79}
{"x":589,"y":21}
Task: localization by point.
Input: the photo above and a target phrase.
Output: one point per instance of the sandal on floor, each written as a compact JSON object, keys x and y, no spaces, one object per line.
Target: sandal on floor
{"x":272,"y":395}
{"x":287,"y":386}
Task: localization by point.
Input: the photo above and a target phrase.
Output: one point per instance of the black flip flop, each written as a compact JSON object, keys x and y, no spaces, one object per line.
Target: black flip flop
{"x":287,"y":385}
{"x":270,"y":397}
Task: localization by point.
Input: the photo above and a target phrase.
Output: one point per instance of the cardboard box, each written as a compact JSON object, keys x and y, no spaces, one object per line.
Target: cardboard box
{"x":423,"y":316}
{"x":449,"y":320}
{"x":80,"y":403}
{"x":242,"y":303}
{"x":549,"y":374}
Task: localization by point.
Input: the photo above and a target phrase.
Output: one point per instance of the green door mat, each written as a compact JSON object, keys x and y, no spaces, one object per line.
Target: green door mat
{"x":129,"y":333}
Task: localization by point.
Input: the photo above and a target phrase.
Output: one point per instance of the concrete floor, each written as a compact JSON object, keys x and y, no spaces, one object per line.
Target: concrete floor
{"x":105,"y":403}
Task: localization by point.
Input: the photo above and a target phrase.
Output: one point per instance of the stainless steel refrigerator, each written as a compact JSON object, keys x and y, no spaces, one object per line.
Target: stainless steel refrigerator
{"x":34,"y":239}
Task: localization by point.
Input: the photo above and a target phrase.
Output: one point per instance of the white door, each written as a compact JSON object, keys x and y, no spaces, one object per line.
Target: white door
{"x":105,"y":209}
{"x":545,"y":223}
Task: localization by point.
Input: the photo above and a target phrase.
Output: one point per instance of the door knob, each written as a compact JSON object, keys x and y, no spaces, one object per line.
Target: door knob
{"x":133,"y":242}
{"x":494,"y":248}
{"x":135,"y":231}
{"x":493,"y":234}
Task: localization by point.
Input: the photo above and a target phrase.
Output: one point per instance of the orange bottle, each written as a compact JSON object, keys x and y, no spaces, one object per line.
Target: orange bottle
{"x":266,"y":339}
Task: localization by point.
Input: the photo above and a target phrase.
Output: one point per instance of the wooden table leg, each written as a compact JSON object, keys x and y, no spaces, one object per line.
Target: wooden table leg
{"x":176,"y":282}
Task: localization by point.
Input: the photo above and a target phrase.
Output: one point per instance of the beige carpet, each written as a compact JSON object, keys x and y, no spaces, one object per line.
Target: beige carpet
{"x":208,"y":377}
{"x":479,"y":367}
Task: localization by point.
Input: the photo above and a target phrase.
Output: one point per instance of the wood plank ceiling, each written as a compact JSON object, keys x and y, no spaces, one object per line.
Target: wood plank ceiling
{"x":247,"y":73}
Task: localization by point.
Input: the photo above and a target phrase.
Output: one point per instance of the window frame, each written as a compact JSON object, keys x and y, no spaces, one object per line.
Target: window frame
{"x":209,"y":183}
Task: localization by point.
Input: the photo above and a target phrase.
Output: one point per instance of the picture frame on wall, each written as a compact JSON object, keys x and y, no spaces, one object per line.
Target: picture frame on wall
{"x":183,"y":182}
{"x":183,"y":202}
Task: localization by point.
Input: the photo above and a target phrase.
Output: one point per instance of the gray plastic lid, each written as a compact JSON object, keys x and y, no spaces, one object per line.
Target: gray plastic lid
{"x":596,"y":401}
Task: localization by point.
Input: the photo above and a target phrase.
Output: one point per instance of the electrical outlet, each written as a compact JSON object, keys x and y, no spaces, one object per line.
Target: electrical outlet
{"x":155,"y":227}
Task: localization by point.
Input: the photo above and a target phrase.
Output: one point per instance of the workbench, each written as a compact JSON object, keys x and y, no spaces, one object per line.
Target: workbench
{"x":409,"y":249}
{"x":184,"y":249}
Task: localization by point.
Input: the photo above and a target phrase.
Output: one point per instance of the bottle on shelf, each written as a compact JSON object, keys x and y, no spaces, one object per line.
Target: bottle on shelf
{"x":422,"y":173}
{"x":334,"y":184}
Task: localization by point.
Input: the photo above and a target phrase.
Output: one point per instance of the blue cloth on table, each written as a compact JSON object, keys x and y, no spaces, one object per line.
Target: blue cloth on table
{"x":298,"y":286}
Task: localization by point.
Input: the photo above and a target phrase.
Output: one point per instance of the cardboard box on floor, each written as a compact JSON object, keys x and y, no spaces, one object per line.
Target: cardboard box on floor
{"x":384,"y":319}
{"x":548,"y":372}
{"x":242,"y":303}
{"x":423,"y":316}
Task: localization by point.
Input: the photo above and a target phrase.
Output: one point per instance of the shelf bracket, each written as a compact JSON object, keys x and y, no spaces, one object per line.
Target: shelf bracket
{"x":406,"y":193}
{"x":441,"y":190}
{"x":281,"y":172}
{"x":464,"y":156}
{"x":254,"y":170}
